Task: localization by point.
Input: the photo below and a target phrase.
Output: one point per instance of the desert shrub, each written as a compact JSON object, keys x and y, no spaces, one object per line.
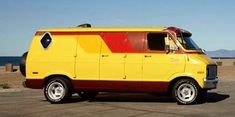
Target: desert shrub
{"x":4,"y":86}
{"x":219,"y":63}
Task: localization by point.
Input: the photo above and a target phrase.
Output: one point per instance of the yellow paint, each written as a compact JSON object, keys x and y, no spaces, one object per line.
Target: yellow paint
{"x":159,"y":67}
{"x":111,"y":64}
{"x":87,"y":60}
{"x":103,"y":29}
{"x":195,"y":63}
{"x":133,"y":66}
{"x":87,"y":57}
{"x":104,"y":47}
{"x":58,"y":58}
{"x":89,"y":43}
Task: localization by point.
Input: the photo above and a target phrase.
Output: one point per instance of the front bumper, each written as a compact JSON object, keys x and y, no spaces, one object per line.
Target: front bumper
{"x":210,"y":83}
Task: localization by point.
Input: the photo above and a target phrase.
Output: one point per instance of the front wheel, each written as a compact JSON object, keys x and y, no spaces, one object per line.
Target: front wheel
{"x":57,"y":90}
{"x":186,"y":91}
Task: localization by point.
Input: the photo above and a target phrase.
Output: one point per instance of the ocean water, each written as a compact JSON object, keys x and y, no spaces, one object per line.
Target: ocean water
{"x":15,"y":60}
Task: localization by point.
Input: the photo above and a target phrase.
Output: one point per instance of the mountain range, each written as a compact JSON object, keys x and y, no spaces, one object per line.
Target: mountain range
{"x":221,"y":53}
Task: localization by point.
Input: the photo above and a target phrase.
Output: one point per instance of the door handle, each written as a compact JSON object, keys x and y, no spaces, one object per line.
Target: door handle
{"x":104,"y":55}
{"x":147,"y":56}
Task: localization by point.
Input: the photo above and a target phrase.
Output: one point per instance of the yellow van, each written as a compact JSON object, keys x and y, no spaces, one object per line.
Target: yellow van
{"x":87,"y":60}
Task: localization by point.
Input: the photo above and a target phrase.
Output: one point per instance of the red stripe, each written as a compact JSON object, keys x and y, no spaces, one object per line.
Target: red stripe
{"x":112,"y":86}
{"x":117,"y":42}
{"x":128,"y":47}
{"x":40,"y":33}
{"x":34,"y":83}
{"x":120,"y":86}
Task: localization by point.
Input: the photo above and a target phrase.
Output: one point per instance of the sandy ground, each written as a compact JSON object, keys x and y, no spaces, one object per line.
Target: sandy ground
{"x":226,"y":72}
{"x":13,"y":79}
{"x":226,"y":62}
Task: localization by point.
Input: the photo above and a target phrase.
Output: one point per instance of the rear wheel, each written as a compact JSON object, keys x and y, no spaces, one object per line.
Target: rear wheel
{"x":186,"y":91}
{"x":58,"y":90}
{"x":87,"y":95}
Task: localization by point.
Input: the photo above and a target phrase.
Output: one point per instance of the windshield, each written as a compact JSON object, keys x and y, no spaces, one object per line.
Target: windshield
{"x":188,"y":43}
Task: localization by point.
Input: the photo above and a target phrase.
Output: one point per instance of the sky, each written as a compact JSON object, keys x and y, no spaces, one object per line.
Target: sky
{"x":210,"y":21}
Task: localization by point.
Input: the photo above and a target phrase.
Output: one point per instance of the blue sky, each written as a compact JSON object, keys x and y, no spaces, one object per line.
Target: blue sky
{"x":210,"y":21}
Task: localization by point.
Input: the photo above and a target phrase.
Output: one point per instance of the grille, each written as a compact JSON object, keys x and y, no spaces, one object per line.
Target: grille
{"x":211,"y":71}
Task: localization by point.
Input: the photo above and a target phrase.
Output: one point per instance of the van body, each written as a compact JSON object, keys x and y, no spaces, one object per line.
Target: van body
{"x":88,"y":60}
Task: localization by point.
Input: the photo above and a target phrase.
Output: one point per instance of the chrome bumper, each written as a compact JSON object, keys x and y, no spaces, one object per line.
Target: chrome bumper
{"x":210,"y":83}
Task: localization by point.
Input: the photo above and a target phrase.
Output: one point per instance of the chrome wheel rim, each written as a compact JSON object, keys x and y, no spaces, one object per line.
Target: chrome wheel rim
{"x":186,"y":92}
{"x":56,"y":91}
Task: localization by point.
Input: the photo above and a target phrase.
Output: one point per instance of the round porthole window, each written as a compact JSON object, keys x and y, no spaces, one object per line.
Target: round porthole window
{"x":46,"y":40}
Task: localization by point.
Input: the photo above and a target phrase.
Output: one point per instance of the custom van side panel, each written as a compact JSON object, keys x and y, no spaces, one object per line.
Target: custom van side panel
{"x":112,"y":62}
{"x":106,"y":61}
{"x":121,"y":65}
{"x":134,"y":58}
{"x":88,"y":57}
{"x":58,"y":58}
{"x":160,"y":65}
{"x":196,"y":66}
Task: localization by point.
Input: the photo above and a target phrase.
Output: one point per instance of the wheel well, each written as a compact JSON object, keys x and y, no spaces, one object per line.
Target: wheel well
{"x":57,"y":75}
{"x":177,"y":79}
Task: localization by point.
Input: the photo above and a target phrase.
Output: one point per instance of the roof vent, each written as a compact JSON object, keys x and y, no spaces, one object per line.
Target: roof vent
{"x":86,"y":25}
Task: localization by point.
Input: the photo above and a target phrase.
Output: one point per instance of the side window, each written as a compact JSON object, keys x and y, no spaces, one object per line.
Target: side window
{"x":46,"y":40}
{"x":156,"y":41}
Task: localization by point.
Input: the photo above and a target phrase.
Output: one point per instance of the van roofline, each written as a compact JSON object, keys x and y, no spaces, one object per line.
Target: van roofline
{"x":118,"y":29}
{"x":102,"y":29}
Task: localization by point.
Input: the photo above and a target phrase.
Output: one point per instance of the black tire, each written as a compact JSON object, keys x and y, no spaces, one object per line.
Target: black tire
{"x":203,"y":93}
{"x":87,"y":95}
{"x":23,"y":64}
{"x":58,"y":85}
{"x":186,"y":91}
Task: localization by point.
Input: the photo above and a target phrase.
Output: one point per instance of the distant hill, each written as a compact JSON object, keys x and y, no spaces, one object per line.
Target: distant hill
{"x":221,"y":53}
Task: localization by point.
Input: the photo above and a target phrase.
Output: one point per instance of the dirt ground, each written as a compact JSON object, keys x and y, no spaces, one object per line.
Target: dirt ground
{"x":226,"y":72}
{"x":13,"y":79}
